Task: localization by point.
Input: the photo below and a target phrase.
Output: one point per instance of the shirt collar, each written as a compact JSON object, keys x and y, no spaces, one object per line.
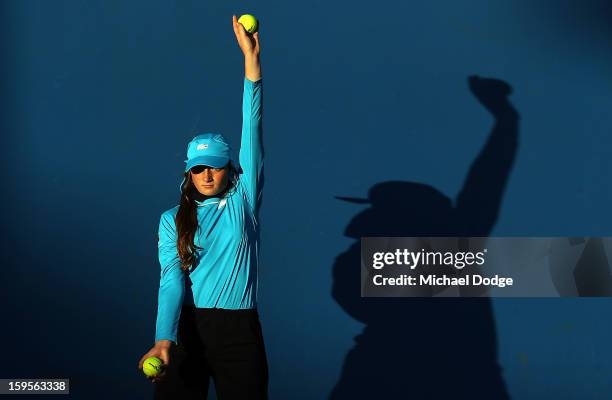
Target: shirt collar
{"x":211,"y":200}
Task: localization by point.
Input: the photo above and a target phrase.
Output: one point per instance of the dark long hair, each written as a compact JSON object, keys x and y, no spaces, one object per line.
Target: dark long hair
{"x":187,"y":217}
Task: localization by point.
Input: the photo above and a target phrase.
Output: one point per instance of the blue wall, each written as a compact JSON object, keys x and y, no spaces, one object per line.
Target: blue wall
{"x":100,"y":98}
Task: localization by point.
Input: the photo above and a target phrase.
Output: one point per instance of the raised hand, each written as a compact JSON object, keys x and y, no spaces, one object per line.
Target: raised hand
{"x":493,"y":94}
{"x":249,"y":43}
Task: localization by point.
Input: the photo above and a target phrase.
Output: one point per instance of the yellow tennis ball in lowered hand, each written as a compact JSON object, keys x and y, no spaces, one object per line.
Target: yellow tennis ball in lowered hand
{"x":152,"y":366}
{"x":249,"y":22}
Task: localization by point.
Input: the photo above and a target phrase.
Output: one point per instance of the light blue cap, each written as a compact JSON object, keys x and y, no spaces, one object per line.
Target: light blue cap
{"x":209,"y":149}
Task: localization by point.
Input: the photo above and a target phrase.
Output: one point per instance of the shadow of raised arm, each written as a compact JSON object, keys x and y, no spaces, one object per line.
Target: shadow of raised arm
{"x":479,"y":201}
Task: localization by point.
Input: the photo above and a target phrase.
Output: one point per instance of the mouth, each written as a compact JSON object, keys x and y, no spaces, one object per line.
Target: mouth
{"x":208,"y":186}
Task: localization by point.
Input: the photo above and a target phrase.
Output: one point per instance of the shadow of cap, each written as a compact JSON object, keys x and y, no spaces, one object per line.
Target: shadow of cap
{"x":399,"y":208}
{"x":402,"y":193}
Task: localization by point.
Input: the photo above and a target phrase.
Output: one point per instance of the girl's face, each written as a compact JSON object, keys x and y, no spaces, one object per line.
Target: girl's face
{"x":209,"y":181}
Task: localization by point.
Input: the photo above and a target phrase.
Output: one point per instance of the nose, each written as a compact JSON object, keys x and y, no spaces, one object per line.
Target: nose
{"x":208,"y":175}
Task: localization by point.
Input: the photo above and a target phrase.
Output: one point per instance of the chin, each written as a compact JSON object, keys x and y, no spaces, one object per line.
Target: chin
{"x":209,"y":192}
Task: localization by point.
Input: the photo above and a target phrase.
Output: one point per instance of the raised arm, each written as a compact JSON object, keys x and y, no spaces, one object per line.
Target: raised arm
{"x":171,"y":283}
{"x":251,"y":146}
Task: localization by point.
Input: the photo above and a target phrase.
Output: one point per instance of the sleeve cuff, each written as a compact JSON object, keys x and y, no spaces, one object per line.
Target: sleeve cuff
{"x":247,"y":80}
{"x":172,"y":339}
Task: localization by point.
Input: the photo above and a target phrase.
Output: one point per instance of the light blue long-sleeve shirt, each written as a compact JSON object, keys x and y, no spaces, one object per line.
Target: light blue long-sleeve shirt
{"x":225,"y":272}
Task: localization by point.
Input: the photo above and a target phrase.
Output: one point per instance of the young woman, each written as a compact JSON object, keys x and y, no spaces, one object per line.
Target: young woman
{"x":207,"y":321}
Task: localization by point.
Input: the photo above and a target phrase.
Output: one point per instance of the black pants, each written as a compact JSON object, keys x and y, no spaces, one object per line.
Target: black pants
{"x":226,"y":345}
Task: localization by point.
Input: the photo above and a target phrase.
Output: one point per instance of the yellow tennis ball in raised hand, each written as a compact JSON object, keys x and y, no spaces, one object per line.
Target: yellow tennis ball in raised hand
{"x":249,"y":22}
{"x":152,"y":366}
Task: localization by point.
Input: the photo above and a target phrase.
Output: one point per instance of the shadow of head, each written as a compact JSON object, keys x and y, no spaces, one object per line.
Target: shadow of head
{"x":400,"y":208}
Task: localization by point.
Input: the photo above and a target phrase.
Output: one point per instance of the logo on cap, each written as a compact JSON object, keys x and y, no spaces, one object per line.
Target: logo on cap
{"x":219,"y":138}
{"x":202,"y":147}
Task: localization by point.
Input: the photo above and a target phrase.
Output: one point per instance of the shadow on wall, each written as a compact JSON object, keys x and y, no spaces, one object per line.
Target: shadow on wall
{"x":428,"y":348}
